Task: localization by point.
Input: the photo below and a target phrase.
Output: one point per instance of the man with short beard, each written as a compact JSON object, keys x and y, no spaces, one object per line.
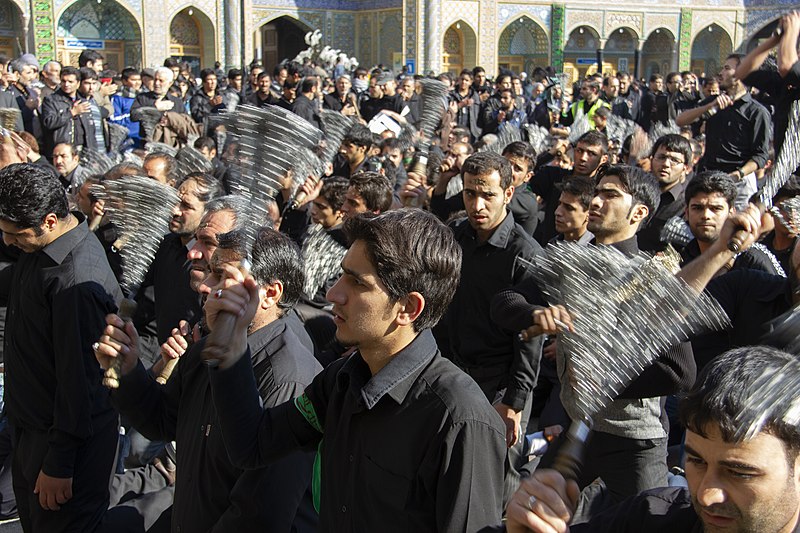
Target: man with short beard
{"x":173,"y":297}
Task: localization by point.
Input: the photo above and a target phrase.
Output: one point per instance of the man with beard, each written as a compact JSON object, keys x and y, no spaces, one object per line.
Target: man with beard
{"x":159,"y":97}
{"x":670,"y":162}
{"x":263,"y":96}
{"x":66,"y":116}
{"x":737,"y":131}
{"x":68,"y":165}
{"x":745,"y":486}
{"x":166,"y":295}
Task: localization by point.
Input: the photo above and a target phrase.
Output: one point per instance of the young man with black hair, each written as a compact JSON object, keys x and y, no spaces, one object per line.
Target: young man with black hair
{"x":207,"y":100}
{"x":263,"y":96}
{"x":590,"y":154}
{"x":670,"y":162}
{"x":97,"y":114}
{"x":492,"y":245}
{"x":708,"y":202}
{"x":628,"y":449}
{"x":737,"y":130}
{"x":211,"y":492}
{"x":307,"y":104}
{"x":572,"y":213}
{"x":66,"y":116}
{"x":523,"y":206}
{"x":734,"y":485}
{"x":398,"y":427}
{"x":589,"y":102}
{"x":782,"y":239}
{"x":123,"y":101}
{"x":368,"y":192}
{"x":353,"y":151}
{"x":57,"y":293}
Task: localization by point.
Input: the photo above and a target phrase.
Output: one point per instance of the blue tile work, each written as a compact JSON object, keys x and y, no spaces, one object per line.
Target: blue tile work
{"x":391,"y":37}
{"x":344,"y":32}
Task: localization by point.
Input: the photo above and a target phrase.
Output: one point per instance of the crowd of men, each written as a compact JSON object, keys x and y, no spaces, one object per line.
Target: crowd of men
{"x":393,"y":363}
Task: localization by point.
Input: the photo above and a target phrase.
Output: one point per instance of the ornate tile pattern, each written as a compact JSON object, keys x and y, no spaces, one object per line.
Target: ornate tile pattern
{"x":685,"y":40}
{"x":455,"y":10}
{"x":557,"y":37}
{"x":44,"y":36}
{"x":390,"y":35}
{"x":410,"y":25}
{"x":509,"y":12}
{"x":487,"y":35}
{"x":593,"y":19}
{"x":652,"y":21}
{"x":344,"y":32}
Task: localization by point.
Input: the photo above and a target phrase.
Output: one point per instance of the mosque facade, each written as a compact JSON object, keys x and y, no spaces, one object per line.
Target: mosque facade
{"x":645,"y":37}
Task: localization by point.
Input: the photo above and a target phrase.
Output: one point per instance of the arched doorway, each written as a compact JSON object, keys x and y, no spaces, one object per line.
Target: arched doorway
{"x":12,"y":32}
{"x":762,"y":34}
{"x":283,"y":38}
{"x":710,"y":48}
{"x":460,"y":48}
{"x":103,"y":26}
{"x":523,"y":46}
{"x":191,"y":39}
{"x":620,"y":51}
{"x":658,"y":53}
{"x":580,"y":52}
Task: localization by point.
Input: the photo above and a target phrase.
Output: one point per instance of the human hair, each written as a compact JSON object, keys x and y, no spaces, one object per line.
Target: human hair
{"x":502,"y":77}
{"x":523,"y":150}
{"x":70,"y":71}
{"x":165,"y":72}
{"x":390,"y":143}
{"x":206,"y":72}
{"x":478,"y":70}
{"x":237,"y":205}
{"x":333,"y":190}
{"x":171,"y":63}
{"x":594,"y":83}
{"x":671,"y":76}
{"x":641,"y":185}
{"x":603,"y":112}
{"x":790,"y":189}
{"x":484,"y":163}
{"x":125,"y":168}
{"x":170,"y":166}
{"x":466,"y":72}
{"x":672,"y":142}
{"x":374,"y":188}
{"x":235,"y":73}
{"x":412,"y":251}
{"x":208,"y":187}
{"x":623,"y":74}
{"x":30,"y":140}
{"x":28,"y":193}
{"x":594,"y":138}
{"x":263,"y":75}
{"x":721,"y":394}
{"x":737,"y":57}
{"x":580,"y":187}
{"x":88,"y":74}
{"x":709,"y":182}
{"x":359,"y":135}
{"x":205,"y":142}
{"x":73,"y":150}
{"x":276,"y":258}
{"x":656,"y":77}
{"x":308,"y":84}
{"x":89,"y":56}
{"x":289,"y":84}
{"x":460,"y":132}
{"x":127,"y":72}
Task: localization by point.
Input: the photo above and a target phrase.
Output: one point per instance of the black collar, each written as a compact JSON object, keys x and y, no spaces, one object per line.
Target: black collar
{"x":60,"y":248}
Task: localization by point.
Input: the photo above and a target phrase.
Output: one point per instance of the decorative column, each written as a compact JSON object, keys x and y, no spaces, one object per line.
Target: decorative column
{"x":433,"y":39}
{"x":44,"y":37}
{"x":557,"y":21}
{"x":637,"y":59}
{"x":233,"y":31}
{"x":685,"y":40}
{"x":599,"y":52}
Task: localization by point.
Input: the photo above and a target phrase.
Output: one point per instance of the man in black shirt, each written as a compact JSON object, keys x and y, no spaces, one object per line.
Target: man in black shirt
{"x":492,"y":245}
{"x":590,"y":153}
{"x":398,"y":427}
{"x":353,"y":151}
{"x":307,"y":104}
{"x":737,"y":131}
{"x":263,"y":96}
{"x":523,"y":206}
{"x":670,"y":162}
{"x":57,"y":295}
{"x":734,"y":485}
{"x":211,"y":493}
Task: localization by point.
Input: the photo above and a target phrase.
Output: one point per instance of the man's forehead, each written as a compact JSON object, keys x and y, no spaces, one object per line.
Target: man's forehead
{"x":217,"y":222}
{"x":610,"y":183}
{"x":489,"y":180}
{"x":224,"y":256}
{"x":705,"y":198}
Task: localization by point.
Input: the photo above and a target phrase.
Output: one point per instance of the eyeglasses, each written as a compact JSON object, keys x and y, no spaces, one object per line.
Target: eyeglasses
{"x":664,"y":157}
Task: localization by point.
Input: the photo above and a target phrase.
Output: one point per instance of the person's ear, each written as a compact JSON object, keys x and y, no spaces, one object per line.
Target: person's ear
{"x":50,"y":222}
{"x":508,"y":193}
{"x":411,"y":306}
{"x":271,"y":294}
{"x":640,"y":212}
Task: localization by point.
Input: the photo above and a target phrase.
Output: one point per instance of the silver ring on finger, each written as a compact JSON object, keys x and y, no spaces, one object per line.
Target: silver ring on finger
{"x":531,"y":502}
{"x":218,"y":293}
{"x":96,"y":346}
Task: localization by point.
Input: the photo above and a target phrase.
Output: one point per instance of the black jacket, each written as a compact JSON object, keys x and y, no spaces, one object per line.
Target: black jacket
{"x":61,"y":127}
{"x":305,"y":108}
{"x":201,"y":107}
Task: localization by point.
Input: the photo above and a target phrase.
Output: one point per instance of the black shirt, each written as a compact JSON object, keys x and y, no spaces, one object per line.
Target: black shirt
{"x":784,"y":255}
{"x":211,"y":494}
{"x":671,"y":203}
{"x":169,"y":276}
{"x":414,"y":448}
{"x":58,"y":298}
{"x":783,"y":90}
{"x":487,"y":268}
{"x":545,"y":185}
{"x":735,"y":135}
{"x":525,"y":208}
{"x":757,"y":257}
{"x":304,"y":107}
